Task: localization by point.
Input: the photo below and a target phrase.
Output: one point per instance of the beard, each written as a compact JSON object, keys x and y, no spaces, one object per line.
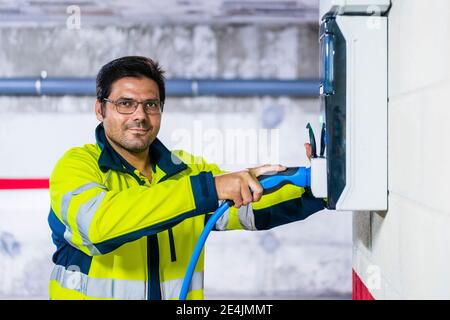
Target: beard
{"x":134,"y":147}
{"x":138,"y":144}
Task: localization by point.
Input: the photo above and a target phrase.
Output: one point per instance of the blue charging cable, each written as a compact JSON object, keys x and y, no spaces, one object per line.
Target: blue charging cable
{"x":299,"y":176}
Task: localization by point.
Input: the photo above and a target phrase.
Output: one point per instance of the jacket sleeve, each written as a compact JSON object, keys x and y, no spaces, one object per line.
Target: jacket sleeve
{"x":287,"y":204}
{"x":98,"y":220}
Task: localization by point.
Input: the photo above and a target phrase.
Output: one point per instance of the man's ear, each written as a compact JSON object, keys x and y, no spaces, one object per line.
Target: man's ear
{"x":98,"y":110}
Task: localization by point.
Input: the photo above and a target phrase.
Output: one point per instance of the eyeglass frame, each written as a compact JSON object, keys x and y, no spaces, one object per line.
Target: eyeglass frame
{"x":136,"y":103}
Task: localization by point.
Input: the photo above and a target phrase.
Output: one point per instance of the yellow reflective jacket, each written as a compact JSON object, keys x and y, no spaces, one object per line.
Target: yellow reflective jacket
{"x":119,"y":236}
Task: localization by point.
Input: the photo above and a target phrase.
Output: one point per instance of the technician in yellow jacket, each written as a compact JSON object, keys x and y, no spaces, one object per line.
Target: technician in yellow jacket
{"x":126,"y":212}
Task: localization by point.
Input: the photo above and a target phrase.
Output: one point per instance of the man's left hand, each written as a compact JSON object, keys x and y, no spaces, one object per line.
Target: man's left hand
{"x":266,"y":169}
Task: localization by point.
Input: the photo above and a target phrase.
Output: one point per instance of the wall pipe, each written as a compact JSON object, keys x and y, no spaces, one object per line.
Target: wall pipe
{"x":56,"y":86}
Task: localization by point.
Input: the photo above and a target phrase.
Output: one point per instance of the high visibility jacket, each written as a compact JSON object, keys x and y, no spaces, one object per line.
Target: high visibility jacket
{"x":119,"y":236}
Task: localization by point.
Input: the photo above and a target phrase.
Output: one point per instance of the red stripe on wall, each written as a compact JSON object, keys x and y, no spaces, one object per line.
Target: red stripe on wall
{"x":19,"y":184}
{"x":360,"y":291}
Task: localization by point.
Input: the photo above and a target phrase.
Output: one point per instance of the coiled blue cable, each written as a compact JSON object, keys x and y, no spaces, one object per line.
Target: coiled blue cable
{"x":299,"y":176}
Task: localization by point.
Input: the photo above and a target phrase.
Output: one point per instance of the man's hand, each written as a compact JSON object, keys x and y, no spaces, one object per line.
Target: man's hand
{"x":243,"y":186}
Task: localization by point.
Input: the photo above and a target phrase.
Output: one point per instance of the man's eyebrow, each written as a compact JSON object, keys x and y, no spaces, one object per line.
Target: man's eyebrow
{"x":125,"y":98}
{"x":128,"y":98}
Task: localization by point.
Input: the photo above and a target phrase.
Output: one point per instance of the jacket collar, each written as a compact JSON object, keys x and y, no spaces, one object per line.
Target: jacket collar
{"x":159,"y":155}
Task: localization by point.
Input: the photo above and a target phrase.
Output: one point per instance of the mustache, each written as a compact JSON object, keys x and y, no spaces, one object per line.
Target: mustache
{"x":140,"y":125}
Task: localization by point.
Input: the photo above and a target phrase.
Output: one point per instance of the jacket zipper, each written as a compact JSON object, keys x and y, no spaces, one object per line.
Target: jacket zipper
{"x":153,"y":288}
{"x":173,"y":255}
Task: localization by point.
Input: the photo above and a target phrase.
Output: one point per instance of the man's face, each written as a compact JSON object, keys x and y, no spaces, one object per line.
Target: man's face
{"x":132,"y":132}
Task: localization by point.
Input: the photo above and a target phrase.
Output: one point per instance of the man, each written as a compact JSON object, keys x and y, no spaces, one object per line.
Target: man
{"x":126,"y":212}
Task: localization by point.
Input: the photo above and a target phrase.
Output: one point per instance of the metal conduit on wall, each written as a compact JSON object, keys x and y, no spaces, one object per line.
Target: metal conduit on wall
{"x":174,"y":87}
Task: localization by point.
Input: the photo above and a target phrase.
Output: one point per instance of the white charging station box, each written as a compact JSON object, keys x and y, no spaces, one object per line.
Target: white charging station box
{"x":363,"y":179}
{"x":367,"y":125}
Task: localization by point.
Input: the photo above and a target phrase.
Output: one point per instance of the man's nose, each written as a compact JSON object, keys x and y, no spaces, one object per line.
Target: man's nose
{"x":139,"y":113}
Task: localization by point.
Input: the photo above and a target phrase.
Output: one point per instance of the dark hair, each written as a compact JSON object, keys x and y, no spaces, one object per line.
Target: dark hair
{"x":131,"y":66}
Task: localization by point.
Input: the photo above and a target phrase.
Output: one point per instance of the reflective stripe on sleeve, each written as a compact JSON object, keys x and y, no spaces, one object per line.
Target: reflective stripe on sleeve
{"x":245,"y":215}
{"x":84,"y":215}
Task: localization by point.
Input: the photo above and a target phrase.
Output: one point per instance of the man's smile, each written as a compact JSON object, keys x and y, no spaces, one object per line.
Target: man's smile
{"x":139,"y":130}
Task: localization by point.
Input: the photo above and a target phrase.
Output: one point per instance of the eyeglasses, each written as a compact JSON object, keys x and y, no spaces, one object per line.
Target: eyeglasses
{"x":129,"y":106}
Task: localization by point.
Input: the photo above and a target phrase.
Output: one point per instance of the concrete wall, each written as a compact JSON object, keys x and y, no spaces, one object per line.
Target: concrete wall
{"x":305,"y":259}
{"x":403,"y":253}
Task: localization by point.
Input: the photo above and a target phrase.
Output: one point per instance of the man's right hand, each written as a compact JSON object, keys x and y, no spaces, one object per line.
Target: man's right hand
{"x":243,"y":186}
{"x":236,"y":186}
